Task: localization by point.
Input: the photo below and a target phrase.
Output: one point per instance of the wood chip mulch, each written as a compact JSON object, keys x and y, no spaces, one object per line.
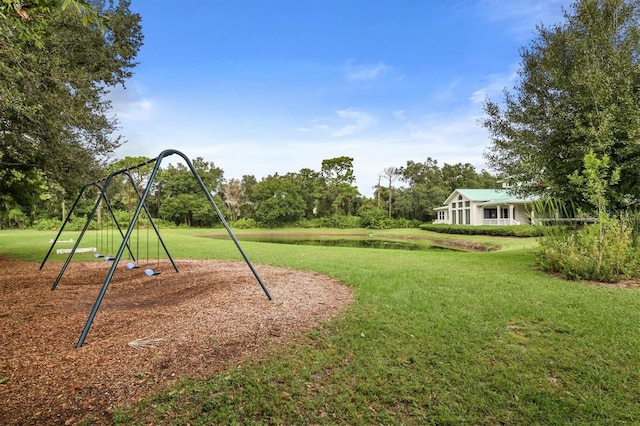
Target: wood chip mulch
{"x":148,"y":333}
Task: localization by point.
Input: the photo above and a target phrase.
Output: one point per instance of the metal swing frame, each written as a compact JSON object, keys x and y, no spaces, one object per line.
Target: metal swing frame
{"x":102,"y":197}
{"x":126,"y":237}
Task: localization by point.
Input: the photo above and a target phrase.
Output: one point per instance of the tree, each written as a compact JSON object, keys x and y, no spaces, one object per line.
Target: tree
{"x":55,"y":127}
{"x":462,"y":176}
{"x":429,"y":185}
{"x":391,"y":174}
{"x":579,"y":92}
{"x":311,"y":185}
{"x":233,"y":197}
{"x":247,"y":207}
{"x":278,"y":200}
{"x":338,"y":176}
{"x":182,"y":199}
{"x":28,"y":19}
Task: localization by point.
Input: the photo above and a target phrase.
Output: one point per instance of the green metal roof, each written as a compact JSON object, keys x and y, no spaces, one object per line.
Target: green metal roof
{"x":489,"y":196}
{"x":484,"y":194}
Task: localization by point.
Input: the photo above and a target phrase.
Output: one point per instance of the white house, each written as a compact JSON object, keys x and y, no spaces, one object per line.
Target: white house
{"x":484,"y":207}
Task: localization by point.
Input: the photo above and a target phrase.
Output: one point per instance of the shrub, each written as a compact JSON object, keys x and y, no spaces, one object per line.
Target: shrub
{"x":374,"y":218}
{"x":244,"y":224}
{"x":497,"y":231}
{"x":47,"y":224}
{"x":342,"y":222}
{"x":17,"y":219}
{"x":604,"y":251}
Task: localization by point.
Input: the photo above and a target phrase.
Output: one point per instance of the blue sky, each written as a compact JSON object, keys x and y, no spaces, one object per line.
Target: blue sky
{"x":265,"y":86}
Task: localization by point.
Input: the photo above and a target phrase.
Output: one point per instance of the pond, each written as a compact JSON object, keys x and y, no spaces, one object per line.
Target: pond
{"x":363,"y":242}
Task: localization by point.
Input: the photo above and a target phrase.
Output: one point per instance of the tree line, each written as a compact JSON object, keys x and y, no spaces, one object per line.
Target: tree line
{"x":404,"y":195}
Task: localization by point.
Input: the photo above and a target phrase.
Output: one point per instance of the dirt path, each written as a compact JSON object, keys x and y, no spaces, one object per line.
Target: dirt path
{"x":205,"y":318}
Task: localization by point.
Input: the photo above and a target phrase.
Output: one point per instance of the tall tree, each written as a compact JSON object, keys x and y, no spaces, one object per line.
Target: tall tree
{"x":233,"y":196}
{"x":278,"y":200}
{"x":55,"y":125}
{"x":391,"y":174}
{"x":425,"y":190}
{"x":578,"y":92}
{"x":311,"y":185}
{"x":339,"y":179}
{"x":248,"y":184}
{"x":182,"y":198}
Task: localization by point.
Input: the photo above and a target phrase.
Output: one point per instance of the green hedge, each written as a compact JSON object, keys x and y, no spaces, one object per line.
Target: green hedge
{"x":500,"y":231}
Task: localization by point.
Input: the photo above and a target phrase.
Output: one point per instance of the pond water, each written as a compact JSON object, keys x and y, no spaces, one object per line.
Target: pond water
{"x":336,"y":242}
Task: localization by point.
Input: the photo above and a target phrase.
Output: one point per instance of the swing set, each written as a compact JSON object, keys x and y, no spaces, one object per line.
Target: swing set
{"x":103,"y":185}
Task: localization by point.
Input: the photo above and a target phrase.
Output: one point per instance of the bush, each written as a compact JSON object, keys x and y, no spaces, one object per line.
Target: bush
{"x":47,"y":224}
{"x":374,"y":218}
{"x":496,"y":231}
{"x":604,"y":251}
{"x":342,"y":222}
{"x":17,"y":219}
{"x":244,"y":224}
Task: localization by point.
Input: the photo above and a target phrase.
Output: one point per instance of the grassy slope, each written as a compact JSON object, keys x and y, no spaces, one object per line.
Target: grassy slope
{"x":442,"y":337}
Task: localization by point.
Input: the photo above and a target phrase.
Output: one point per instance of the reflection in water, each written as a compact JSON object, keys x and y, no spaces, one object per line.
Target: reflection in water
{"x":337,"y":242}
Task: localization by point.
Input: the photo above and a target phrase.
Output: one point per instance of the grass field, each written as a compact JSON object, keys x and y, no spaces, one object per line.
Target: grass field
{"x":434,"y":337}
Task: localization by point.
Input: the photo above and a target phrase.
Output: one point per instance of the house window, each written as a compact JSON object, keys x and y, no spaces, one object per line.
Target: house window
{"x":467,"y":216}
{"x":467,"y":203}
{"x":491,"y":213}
{"x":459,"y":197}
{"x":505,"y":213}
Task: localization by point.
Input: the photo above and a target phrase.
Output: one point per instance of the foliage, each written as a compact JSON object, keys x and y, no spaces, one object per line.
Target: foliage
{"x":595,"y":181}
{"x":278,"y":200}
{"x":244,"y":224}
{"x":28,"y":19}
{"x":234,"y":196}
{"x":339,"y":179}
{"x":374,"y":218}
{"x":505,"y":231}
{"x":577,"y":93}
{"x":339,"y":222}
{"x":16,"y":218}
{"x":429,"y":185}
{"x":182,"y":200}
{"x":55,"y":125}
{"x":603,"y":252}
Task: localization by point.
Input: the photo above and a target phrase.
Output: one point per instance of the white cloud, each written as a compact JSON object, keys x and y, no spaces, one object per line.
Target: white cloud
{"x":369,"y":72}
{"x":358,"y":121}
{"x":130,"y":104}
{"x":400,"y":114}
{"x":494,"y":86}
{"x":343,"y":123}
{"x":451,"y":140}
{"x":524,"y":15}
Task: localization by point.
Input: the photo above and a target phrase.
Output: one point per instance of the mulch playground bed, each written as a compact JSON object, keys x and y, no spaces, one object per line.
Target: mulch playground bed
{"x":148,"y":333}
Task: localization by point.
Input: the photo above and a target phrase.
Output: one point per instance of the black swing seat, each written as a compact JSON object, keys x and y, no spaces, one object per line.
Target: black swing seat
{"x":108,"y":258}
{"x":151,"y":272}
{"x":98,"y":255}
{"x":132,"y":265}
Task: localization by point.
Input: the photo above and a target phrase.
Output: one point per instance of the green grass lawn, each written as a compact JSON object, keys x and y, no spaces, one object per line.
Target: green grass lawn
{"x":433,"y":337}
